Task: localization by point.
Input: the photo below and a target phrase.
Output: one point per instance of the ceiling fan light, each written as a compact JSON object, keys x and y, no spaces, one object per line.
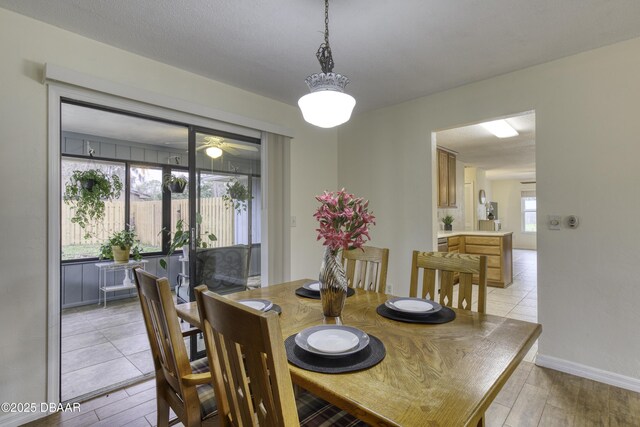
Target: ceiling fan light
{"x":213,"y":152}
{"x":326,"y":108}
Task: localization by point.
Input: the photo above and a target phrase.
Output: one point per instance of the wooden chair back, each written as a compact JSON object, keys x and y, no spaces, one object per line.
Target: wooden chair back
{"x":366,"y":268}
{"x":448,"y":264}
{"x":168,"y":349}
{"x":249,"y":364}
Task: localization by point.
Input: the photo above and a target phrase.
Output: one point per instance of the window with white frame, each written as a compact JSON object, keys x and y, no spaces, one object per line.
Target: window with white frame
{"x":528,"y":203}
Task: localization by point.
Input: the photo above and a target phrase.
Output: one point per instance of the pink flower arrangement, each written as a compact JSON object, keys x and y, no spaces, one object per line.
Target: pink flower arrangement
{"x":344,"y":220}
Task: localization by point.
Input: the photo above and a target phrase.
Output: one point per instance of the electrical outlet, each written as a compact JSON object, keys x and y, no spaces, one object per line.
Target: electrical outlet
{"x":389,"y":289}
{"x":293,"y":221}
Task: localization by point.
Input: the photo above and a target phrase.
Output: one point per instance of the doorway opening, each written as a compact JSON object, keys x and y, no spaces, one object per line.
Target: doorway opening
{"x":487,"y":185}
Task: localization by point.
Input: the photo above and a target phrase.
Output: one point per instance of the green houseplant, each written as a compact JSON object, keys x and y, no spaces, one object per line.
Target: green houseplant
{"x":181,"y":239}
{"x":176,"y":184}
{"x":120,"y":246}
{"x":86,"y":193}
{"x":237,"y":195}
{"x":448,"y":221}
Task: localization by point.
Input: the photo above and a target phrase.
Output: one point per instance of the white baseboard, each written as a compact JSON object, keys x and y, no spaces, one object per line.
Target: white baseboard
{"x":18,"y":419}
{"x":588,"y":372}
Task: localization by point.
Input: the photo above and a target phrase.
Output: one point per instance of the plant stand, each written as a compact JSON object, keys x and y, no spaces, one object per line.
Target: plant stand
{"x":127,"y":283}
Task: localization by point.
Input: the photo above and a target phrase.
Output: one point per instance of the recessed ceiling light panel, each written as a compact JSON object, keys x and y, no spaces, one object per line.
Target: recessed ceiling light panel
{"x":500,"y":128}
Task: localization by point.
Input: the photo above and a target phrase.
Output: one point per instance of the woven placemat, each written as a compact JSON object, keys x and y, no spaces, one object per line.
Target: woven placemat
{"x":306,"y":293}
{"x":443,"y":316}
{"x":369,"y":356}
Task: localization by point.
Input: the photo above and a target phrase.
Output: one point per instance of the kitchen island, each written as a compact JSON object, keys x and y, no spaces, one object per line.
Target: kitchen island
{"x":496,"y":245}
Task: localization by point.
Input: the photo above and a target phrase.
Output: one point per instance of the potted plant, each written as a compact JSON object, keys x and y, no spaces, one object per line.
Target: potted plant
{"x":87,"y":191}
{"x":120,"y":246}
{"x":448,"y":221}
{"x":181,"y":239}
{"x":176,"y":184}
{"x":237,"y":195}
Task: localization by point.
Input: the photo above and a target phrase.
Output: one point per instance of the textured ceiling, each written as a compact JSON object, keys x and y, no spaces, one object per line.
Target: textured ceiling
{"x":391,"y":50}
{"x":506,"y":158}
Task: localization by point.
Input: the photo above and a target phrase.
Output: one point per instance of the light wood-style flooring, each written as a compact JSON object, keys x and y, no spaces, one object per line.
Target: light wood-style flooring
{"x":533,"y":396}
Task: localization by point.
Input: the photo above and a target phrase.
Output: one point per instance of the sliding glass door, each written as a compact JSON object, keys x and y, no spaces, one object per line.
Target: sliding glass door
{"x":224,"y":250}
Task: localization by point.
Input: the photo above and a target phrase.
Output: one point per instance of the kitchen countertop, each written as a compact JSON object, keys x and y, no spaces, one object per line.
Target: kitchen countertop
{"x":473,"y":233}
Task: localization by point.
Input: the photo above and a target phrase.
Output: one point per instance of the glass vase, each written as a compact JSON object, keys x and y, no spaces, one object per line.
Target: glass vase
{"x":333,"y":285}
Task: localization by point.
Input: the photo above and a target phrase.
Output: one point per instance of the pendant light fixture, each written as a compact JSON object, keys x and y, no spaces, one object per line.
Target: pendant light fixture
{"x":327,"y":105}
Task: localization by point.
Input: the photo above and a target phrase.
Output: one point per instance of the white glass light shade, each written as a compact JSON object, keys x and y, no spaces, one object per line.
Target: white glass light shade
{"x":326,"y":108}
{"x":213,"y":152}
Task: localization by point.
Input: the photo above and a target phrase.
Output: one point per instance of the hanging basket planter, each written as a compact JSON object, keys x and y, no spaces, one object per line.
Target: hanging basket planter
{"x":175,"y":184}
{"x":177,"y":187}
{"x":88,"y":184}
{"x":237,"y":195}
{"x":86,"y":192}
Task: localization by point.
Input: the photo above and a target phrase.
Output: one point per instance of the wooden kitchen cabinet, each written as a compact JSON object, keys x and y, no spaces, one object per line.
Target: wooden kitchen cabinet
{"x":498,"y":250}
{"x":454,"y":244}
{"x":446,"y":179}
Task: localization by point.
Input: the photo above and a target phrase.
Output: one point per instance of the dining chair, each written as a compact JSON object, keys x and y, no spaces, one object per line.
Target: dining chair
{"x":468,"y":269}
{"x":224,"y":270}
{"x":366,"y":268}
{"x":250,"y":370}
{"x":186,"y":387}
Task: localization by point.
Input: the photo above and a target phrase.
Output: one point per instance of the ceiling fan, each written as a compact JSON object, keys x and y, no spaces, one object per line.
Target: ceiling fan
{"x":214,"y":146}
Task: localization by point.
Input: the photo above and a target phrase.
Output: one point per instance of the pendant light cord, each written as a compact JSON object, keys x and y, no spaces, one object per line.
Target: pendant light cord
{"x":324,"y":51}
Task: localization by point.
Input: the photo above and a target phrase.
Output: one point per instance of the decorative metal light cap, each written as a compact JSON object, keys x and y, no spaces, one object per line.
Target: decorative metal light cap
{"x":327,"y":105}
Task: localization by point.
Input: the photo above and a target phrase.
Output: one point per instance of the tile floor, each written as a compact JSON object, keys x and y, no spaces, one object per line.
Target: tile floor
{"x":97,"y":340}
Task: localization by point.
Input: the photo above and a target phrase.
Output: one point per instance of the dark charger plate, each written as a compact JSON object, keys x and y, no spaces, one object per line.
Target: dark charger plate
{"x":306,"y":293}
{"x":369,"y":356}
{"x":443,"y":316}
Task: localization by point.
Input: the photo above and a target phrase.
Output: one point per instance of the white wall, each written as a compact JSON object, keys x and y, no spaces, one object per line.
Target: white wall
{"x":25,"y":45}
{"x":507,"y":193}
{"x":587,"y":148}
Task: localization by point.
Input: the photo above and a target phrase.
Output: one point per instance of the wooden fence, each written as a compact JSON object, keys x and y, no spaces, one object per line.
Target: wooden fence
{"x":146,"y":217}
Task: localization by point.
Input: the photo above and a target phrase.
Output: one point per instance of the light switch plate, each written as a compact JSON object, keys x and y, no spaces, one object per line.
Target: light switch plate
{"x":554,"y":222}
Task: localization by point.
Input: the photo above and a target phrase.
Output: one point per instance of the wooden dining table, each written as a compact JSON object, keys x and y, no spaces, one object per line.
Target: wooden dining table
{"x":432,"y":375}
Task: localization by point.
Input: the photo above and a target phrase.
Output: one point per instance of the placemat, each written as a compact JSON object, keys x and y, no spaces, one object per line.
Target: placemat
{"x":276,"y":308}
{"x":302,"y":292}
{"x":369,"y":356}
{"x":443,"y":316}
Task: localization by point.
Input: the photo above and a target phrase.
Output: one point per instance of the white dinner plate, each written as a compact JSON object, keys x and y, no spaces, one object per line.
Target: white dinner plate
{"x":312,"y":286}
{"x":413,"y":305}
{"x":257,"y":304}
{"x":332,"y":340}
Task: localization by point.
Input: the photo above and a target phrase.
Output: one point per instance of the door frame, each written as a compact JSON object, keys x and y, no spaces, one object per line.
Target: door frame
{"x":90,"y":90}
